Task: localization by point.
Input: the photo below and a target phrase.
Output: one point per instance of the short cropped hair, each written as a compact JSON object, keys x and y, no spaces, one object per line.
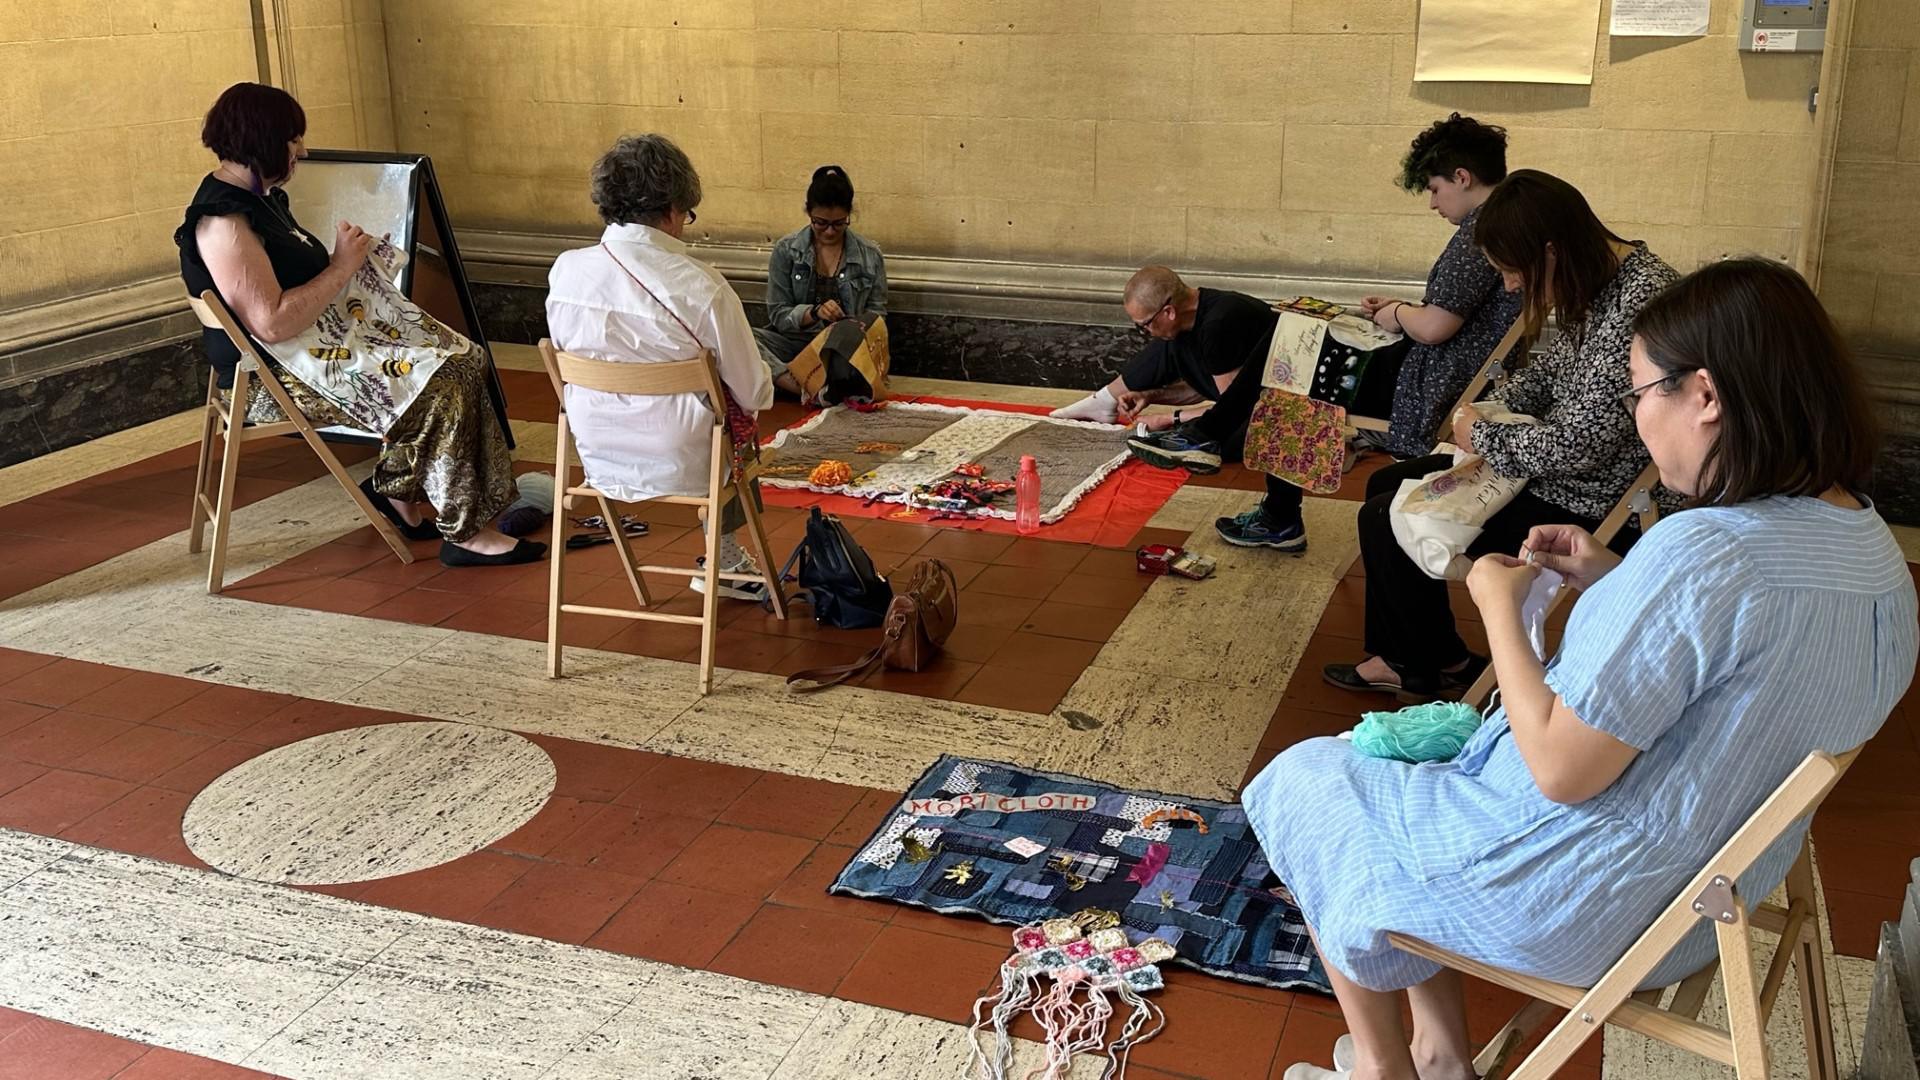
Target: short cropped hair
{"x":1794,"y":416}
{"x":643,"y":178}
{"x":251,"y":124}
{"x":1458,"y":142}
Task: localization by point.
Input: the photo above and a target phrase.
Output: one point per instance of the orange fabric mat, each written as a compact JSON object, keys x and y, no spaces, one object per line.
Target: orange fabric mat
{"x":1107,"y":516}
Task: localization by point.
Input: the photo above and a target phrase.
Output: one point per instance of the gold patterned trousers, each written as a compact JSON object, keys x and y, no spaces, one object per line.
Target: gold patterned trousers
{"x":447,"y":449}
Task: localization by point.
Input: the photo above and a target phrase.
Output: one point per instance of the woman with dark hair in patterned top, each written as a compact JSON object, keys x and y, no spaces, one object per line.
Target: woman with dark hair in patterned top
{"x":1539,"y":233}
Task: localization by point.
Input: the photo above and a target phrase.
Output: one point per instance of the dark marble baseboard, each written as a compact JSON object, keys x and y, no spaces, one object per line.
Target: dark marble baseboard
{"x":929,"y":346}
{"x":66,"y":408}
{"x":1896,"y":480}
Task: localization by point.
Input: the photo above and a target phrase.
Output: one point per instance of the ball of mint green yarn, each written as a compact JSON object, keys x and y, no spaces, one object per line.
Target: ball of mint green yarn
{"x":1432,"y":732}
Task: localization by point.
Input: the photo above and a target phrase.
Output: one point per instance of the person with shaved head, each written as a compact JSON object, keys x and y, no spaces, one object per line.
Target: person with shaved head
{"x":1197,"y":339}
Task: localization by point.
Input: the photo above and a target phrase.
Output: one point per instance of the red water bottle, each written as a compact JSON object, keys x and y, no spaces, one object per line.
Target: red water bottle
{"x":1026,"y":489}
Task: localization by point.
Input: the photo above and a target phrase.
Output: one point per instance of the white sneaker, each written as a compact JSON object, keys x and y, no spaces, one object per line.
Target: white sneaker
{"x":1343,"y":1053}
{"x":755,"y":591}
{"x":1098,"y":407}
{"x":1304,"y":1071}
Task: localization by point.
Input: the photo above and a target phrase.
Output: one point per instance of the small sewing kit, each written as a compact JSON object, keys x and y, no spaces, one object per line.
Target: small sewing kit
{"x":1156,"y":559}
{"x":1189,"y":565}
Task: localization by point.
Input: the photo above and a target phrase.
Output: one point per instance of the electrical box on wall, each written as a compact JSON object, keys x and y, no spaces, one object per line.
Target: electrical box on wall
{"x":1783,"y":25}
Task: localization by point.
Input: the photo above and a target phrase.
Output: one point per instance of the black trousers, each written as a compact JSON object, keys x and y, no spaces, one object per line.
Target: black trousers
{"x":1409,"y":618}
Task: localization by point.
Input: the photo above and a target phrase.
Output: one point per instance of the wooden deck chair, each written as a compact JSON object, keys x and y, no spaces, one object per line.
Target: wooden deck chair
{"x":1713,"y":894}
{"x":228,"y":420}
{"x":670,"y":377}
{"x":1636,"y":503}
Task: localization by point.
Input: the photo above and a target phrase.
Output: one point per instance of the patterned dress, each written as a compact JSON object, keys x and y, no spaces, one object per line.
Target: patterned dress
{"x":1432,"y":377}
{"x":1729,"y":644}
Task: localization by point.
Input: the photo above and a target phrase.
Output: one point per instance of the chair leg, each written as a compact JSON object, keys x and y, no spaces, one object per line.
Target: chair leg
{"x":209,"y":423}
{"x":556,"y":556}
{"x":1492,"y":1059}
{"x":710,"y":598}
{"x":625,"y":552}
{"x":319,"y":447}
{"x":762,"y":551}
{"x":1691,"y":996}
{"x":1748,"y":1031}
{"x":229,"y":474}
{"x":1816,"y":1014}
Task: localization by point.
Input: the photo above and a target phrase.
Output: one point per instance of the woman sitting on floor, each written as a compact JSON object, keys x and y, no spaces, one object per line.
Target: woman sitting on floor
{"x":1774,"y":619}
{"x":1579,"y":461}
{"x":638,"y":296}
{"x":822,"y":279}
{"x":444,"y":469}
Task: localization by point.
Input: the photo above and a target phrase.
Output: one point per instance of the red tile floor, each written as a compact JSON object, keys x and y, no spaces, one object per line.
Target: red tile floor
{"x":110,"y":757}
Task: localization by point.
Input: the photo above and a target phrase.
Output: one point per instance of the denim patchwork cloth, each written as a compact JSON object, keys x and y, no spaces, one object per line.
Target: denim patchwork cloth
{"x":1019,"y":847}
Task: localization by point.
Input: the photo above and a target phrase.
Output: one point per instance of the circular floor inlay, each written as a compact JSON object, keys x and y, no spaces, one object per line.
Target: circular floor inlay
{"x":368,"y":802}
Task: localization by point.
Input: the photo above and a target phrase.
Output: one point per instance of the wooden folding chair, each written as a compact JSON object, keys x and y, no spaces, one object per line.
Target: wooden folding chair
{"x":650,"y":379}
{"x":228,"y":420}
{"x":1714,"y":895}
{"x":1636,"y":503}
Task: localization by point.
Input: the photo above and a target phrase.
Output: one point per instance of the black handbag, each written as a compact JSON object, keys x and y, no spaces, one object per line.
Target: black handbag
{"x":837,"y":577}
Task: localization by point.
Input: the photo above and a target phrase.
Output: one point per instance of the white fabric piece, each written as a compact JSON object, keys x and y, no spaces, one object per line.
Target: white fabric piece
{"x":371,"y":350}
{"x":635,"y":447}
{"x":1533,"y":610}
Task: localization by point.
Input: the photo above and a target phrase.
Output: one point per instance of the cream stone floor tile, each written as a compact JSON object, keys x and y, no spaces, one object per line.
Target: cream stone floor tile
{"x":454,"y":1001}
{"x":312,"y":987}
{"x":697,"y":1025}
{"x":509,"y":356}
{"x":1179,"y":736}
{"x":157,"y":436}
{"x":1909,"y":538}
{"x":348,"y":805}
{"x":172,"y":956}
{"x":22,"y":854}
{"x":851,"y":736}
{"x":848,"y":1039}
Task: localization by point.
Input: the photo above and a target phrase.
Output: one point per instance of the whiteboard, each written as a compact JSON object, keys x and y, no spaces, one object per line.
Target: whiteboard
{"x":380,"y":197}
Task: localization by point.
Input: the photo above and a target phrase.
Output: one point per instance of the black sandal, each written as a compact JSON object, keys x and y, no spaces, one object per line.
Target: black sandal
{"x":426,"y":530}
{"x":1410,"y":690}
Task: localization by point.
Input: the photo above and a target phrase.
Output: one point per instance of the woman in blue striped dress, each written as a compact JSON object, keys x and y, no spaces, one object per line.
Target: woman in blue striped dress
{"x":1774,"y":617}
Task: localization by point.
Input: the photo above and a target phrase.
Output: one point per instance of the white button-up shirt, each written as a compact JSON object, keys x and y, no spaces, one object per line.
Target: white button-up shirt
{"x":637,"y":447}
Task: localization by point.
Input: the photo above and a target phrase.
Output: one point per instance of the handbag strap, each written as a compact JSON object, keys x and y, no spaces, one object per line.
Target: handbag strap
{"x":743,"y":428}
{"x":823,"y":677}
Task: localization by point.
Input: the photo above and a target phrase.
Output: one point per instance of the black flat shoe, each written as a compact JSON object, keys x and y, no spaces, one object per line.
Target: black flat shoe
{"x":426,"y":530}
{"x":524,"y":551}
{"x":1459,"y":682}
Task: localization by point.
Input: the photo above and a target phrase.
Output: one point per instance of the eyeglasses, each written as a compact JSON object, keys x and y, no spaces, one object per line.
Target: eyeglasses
{"x":692,"y":217}
{"x":828,"y":224}
{"x":1630,"y":400}
{"x":1145,"y":325}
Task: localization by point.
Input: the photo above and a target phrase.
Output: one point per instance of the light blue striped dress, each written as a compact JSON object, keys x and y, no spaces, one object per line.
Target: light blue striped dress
{"x":1728,"y":645}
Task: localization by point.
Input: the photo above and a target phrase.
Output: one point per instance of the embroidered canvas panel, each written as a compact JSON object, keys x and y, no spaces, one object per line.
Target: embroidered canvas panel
{"x":371,"y":350}
{"x":1019,"y":846}
{"x":910,"y":452}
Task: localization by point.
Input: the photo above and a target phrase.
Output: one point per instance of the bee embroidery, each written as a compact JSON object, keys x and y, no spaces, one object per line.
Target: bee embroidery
{"x":394,"y":367}
{"x":332,"y":355}
{"x":386,"y":329}
{"x":357,"y":308}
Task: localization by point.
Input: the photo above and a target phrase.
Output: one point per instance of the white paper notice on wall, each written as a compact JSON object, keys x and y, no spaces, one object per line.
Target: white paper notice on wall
{"x":1661,"y":18}
{"x":1486,"y":41}
{"x":1776,"y":40}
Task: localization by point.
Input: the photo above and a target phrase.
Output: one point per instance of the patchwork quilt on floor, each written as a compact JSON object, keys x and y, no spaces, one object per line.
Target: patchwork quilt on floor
{"x":1017,"y":846}
{"x":903,"y":445}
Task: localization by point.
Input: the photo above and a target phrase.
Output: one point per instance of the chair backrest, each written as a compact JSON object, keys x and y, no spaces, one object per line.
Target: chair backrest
{"x":642,"y":378}
{"x":214,"y":315}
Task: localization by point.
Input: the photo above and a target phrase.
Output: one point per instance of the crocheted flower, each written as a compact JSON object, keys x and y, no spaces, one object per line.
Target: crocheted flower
{"x":1128,"y":957}
{"x":830,"y":473}
{"x":1080,"y":950}
{"x":1144,"y":978}
{"x":1098,"y":965}
{"x":1028,"y":939}
{"x":1050,"y":959}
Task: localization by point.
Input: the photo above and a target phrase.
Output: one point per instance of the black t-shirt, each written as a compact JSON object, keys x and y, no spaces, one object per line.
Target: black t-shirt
{"x":1229,"y":330}
{"x":297,"y":256}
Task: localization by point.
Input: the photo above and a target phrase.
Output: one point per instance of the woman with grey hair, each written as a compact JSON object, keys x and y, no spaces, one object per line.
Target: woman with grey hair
{"x":639,"y":296}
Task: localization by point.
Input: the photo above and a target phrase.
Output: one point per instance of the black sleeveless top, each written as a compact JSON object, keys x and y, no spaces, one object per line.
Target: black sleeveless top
{"x":297,"y":256}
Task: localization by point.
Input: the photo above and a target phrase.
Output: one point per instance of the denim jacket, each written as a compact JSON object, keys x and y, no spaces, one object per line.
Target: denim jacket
{"x":862,"y":278}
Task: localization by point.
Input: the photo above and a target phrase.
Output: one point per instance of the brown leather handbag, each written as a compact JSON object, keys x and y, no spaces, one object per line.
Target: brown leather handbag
{"x":918,"y":622}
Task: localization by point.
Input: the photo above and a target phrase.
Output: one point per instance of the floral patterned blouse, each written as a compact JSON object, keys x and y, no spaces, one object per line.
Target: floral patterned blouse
{"x":1585,"y":452}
